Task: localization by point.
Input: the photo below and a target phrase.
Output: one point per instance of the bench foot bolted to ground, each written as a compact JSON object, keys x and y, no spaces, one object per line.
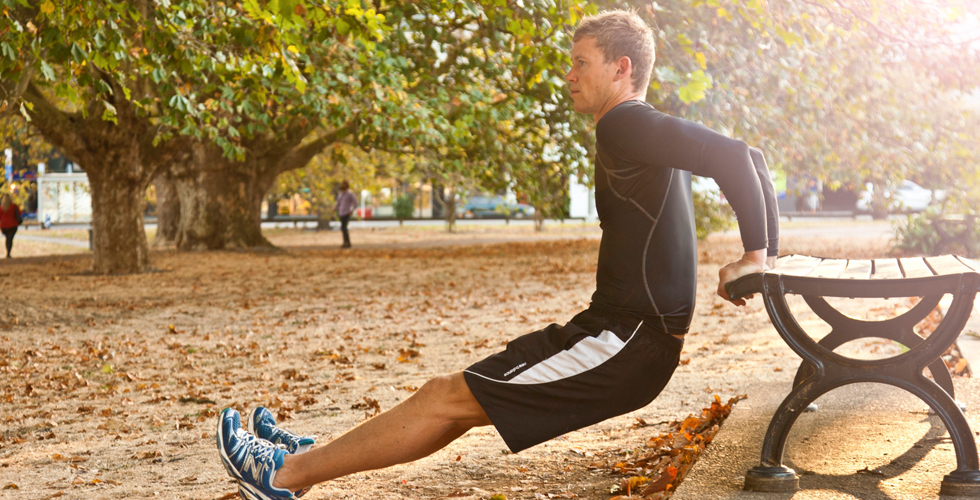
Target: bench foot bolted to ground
{"x":822,"y":370}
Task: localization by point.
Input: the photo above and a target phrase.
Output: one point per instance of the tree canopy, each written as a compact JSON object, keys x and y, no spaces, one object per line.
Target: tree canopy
{"x":225,"y":96}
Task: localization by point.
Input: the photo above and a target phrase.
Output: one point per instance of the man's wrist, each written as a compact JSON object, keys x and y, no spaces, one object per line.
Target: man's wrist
{"x":757,"y":257}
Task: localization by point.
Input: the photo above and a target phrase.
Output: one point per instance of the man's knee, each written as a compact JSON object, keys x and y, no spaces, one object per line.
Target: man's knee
{"x":450,"y":397}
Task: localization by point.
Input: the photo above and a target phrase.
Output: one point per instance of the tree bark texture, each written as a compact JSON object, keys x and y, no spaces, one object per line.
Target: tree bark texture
{"x":168,"y":211}
{"x":119,"y":243}
{"x":220,"y":199}
{"x":120,"y":161}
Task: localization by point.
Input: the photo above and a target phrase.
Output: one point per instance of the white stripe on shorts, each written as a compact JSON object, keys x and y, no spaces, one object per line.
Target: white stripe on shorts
{"x":585,"y":355}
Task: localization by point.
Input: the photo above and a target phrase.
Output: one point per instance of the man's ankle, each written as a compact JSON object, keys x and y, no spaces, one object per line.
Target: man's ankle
{"x":283,"y":478}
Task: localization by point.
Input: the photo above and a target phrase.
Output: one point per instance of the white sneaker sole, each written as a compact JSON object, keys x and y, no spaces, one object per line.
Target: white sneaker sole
{"x":219,"y":437}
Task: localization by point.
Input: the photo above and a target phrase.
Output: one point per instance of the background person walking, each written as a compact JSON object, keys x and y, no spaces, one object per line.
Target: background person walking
{"x":346,"y":203}
{"x":10,"y":218}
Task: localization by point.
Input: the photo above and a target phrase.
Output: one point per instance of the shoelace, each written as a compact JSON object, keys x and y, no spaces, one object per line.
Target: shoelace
{"x":282,"y":434}
{"x":266,"y":449}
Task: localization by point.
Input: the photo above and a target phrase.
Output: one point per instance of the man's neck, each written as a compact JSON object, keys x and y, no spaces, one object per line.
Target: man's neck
{"x":616,"y":100}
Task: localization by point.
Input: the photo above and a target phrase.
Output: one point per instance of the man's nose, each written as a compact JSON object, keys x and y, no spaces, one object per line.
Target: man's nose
{"x":568,"y":75}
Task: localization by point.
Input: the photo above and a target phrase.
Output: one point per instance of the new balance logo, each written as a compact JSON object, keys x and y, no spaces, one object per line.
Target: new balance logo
{"x":257,"y":469}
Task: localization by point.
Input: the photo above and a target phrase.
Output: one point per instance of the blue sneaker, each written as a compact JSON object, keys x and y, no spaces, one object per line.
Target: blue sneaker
{"x":263,"y":424}
{"x":250,"y":460}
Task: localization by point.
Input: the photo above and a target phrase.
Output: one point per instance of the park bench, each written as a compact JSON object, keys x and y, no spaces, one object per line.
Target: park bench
{"x":822,"y":370}
{"x":956,"y":234}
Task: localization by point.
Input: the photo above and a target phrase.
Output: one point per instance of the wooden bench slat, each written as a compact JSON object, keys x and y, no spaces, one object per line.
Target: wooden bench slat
{"x":887,"y":269}
{"x":857,"y":269}
{"x":797,"y":265}
{"x":947,"y":264}
{"x":828,"y":268}
{"x":915,"y":267}
{"x":972,"y":264}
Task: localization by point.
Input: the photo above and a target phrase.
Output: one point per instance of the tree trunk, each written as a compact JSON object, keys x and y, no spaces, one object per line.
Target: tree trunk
{"x":539,"y":220}
{"x":119,"y":244}
{"x":448,"y":205}
{"x":168,"y":211}
{"x":118,"y":173}
{"x":220,"y":200}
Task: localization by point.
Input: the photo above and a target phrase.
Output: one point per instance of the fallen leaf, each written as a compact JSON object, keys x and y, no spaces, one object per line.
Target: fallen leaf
{"x":961,"y":366}
{"x":662,"y":482}
{"x":408,"y":355}
{"x":368,"y":404}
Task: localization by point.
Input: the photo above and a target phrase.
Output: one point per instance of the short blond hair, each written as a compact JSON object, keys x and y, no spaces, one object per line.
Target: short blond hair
{"x":621,"y":33}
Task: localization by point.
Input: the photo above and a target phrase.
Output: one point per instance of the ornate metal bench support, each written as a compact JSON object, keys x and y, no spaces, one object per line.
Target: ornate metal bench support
{"x":899,"y":329}
{"x":826,"y":371}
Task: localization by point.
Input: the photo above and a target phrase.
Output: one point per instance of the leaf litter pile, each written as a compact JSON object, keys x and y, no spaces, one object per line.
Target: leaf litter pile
{"x":656,"y":468}
{"x":110,"y":385}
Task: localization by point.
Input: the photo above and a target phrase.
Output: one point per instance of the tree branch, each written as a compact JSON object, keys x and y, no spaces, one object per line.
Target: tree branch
{"x":57,"y":126}
{"x":301,"y":155}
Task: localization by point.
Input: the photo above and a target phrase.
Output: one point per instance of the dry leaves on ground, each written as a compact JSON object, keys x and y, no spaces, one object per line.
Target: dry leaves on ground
{"x":655,"y":470}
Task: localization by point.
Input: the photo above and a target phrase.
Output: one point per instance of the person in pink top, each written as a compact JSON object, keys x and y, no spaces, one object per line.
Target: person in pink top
{"x":10,"y":218}
{"x":346,"y":203}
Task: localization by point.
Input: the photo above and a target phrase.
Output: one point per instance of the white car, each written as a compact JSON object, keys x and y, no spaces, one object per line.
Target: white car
{"x":909,"y":197}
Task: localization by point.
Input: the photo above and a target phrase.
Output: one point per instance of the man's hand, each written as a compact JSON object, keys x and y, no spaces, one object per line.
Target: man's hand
{"x":750,"y":263}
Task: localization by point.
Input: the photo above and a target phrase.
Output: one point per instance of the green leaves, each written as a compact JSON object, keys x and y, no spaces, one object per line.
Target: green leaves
{"x":698,"y":83}
{"x":77,"y":53}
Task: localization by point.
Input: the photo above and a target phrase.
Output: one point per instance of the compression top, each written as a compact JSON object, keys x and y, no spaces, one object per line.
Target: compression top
{"x":648,"y":253}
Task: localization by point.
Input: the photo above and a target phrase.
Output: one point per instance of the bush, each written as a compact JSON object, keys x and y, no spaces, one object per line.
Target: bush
{"x":711,"y":215}
{"x":404,"y":207}
{"x":917,"y":235}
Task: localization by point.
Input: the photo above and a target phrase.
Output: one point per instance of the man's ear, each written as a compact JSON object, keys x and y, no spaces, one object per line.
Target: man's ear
{"x":624,"y":68}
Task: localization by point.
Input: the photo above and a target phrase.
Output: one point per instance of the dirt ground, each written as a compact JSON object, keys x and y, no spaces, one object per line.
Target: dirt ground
{"x":109,"y":386}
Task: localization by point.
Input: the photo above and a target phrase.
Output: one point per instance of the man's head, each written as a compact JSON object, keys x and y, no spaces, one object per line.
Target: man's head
{"x":613,"y":53}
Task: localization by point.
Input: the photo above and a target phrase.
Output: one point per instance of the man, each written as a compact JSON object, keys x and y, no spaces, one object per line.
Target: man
{"x":346,"y":203}
{"x":614,"y":357}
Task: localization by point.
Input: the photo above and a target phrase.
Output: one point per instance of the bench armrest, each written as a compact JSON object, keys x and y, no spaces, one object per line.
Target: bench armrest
{"x":744,"y":286}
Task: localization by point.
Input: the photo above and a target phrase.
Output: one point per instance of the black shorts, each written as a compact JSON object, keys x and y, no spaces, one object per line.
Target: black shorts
{"x":568,"y":377}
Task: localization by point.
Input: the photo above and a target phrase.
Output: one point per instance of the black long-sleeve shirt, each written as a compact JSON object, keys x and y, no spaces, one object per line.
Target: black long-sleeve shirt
{"x":648,"y":253}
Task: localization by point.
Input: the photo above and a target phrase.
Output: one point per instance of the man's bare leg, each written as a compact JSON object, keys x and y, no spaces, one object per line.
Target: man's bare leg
{"x":441,"y":411}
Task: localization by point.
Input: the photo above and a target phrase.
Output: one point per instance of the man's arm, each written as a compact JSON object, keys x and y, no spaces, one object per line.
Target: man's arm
{"x":752,"y":261}
{"x":668,"y":142}
{"x":772,"y":206}
{"x":671,"y":142}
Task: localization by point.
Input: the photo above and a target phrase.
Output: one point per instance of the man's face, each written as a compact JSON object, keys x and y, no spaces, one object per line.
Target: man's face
{"x":590,"y":77}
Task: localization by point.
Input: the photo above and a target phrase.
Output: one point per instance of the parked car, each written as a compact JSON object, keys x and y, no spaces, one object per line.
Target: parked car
{"x":909,"y":197}
{"x":493,"y":207}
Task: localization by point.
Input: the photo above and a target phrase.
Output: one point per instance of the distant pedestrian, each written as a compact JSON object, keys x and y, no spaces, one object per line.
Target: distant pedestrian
{"x":346,"y":203}
{"x":10,"y":218}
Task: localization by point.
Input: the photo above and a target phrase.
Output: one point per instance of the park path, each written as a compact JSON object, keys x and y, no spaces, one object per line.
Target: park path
{"x":53,"y":240}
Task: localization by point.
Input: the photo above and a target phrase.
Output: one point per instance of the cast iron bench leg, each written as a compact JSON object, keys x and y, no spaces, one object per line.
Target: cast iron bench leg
{"x":831,"y":371}
{"x":899,"y":329}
